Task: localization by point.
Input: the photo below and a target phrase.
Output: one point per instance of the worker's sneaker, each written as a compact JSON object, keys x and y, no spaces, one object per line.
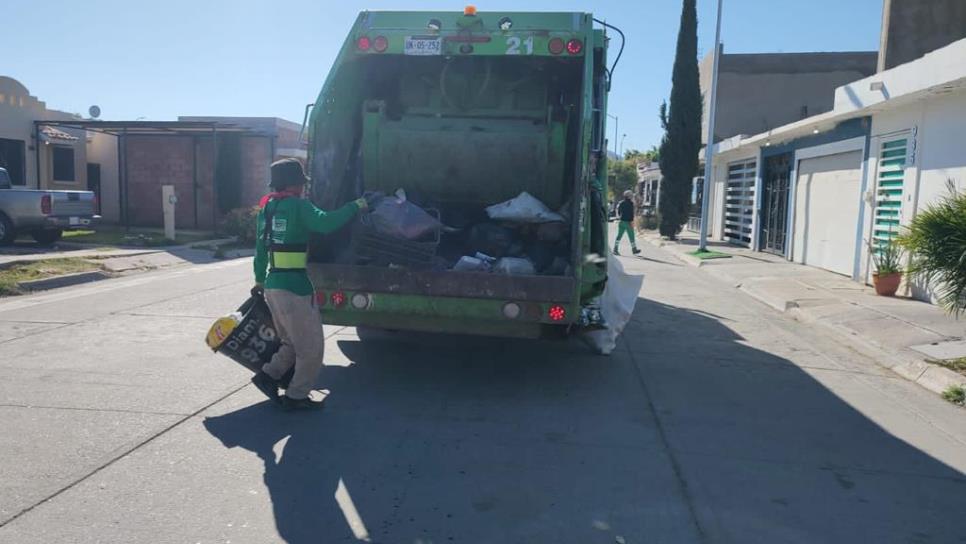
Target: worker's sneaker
{"x":267,"y":385}
{"x":308,"y":403}
{"x":616,"y":252}
{"x":635,"y":251}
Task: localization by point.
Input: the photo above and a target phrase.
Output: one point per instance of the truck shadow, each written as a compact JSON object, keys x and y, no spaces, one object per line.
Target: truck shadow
{"x":685,"y":434}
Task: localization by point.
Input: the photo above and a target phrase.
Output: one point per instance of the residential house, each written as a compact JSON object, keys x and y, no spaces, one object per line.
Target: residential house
{"x":49,"y":158}
{"x":826,"y":186}
{"x":648,"y":185}
{"x":759,"y":92}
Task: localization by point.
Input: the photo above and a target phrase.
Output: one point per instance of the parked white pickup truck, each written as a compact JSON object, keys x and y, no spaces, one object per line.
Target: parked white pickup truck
{"x":45,"y":215}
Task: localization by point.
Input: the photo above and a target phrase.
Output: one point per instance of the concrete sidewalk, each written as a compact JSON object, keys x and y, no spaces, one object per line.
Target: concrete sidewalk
{"x":899,"y":332}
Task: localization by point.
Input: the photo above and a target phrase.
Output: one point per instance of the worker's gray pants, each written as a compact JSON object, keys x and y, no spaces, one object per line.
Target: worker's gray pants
{"x":299,"y":325}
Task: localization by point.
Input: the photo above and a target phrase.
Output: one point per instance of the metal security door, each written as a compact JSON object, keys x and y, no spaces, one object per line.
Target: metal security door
{"x":774,"y":204}
{"x":740,"y":202}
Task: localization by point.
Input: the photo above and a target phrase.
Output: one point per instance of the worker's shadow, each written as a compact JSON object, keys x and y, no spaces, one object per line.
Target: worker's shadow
{"x":306,"y":476}
{"x":511,"y":441}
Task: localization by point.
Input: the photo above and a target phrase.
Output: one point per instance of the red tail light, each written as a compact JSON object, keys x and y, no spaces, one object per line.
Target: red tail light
{"x":555,"y":46}
{"x":45,"y":204}
{"x":575,"y":46}
{"x":320,"y":298}
{"x":557,"y":313}
{"x":363,"y":43}
{"x":338,"y":299}
{"x":380,"y":44}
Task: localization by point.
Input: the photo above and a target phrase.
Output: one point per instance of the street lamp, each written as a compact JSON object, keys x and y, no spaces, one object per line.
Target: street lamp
{"x":709,"y":146}
{"x":616,"y":123}
{"x":620,"y":153}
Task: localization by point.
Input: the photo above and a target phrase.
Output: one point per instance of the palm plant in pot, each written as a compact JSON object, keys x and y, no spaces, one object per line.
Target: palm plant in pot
{"x":936,"y":239}
{"x":887,"y":256}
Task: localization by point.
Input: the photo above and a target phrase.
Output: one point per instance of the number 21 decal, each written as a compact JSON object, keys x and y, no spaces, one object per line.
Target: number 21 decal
{"x":513,"y":45}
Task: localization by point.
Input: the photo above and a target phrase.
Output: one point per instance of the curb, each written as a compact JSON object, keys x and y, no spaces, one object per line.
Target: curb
{"x":66,"y":280}
{"x":778,"y":303}
{"x":934,"y":378}
{"x":37,"y":257}
{"x":668,"y":245}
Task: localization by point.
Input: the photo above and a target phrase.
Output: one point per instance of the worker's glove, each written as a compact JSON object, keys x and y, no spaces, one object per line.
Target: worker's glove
{"x":362,"y":204}
{"x":258,"y":290}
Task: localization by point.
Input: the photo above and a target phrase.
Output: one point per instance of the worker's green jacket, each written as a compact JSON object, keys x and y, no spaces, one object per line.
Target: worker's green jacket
{"x":280,"y":262}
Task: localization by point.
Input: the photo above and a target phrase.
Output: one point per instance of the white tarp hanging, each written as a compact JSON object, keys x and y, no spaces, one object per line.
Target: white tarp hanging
{"x":616,"y":306}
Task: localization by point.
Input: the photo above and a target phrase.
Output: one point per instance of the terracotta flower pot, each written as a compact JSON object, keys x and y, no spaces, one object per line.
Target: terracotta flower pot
{"x":886,"y":285}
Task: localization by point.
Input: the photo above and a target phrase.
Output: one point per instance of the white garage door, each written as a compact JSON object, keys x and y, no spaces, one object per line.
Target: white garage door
{"x":827,"y":211}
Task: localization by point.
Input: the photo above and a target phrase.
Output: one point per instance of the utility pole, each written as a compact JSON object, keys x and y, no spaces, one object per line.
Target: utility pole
{"x":616,"y":124}
{"x":709,"y":146}
{"x":621,"y":151}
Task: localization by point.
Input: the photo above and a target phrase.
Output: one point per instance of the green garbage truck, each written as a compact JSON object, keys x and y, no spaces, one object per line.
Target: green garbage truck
{"x":461,"y":111}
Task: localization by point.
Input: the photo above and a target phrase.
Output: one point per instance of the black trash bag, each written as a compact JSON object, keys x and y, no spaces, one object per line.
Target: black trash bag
{"x":542,"y":254}
{"x":401,"y":218}
{"x":491,"y":239}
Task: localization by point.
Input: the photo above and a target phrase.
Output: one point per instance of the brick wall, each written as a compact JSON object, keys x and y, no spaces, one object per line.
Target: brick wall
{"x":256,"y":155}
{"x":153,"y":161}
{"x":207,"y":218}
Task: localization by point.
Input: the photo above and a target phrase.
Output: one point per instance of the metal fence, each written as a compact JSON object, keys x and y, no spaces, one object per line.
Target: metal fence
{"x":694,"y":223}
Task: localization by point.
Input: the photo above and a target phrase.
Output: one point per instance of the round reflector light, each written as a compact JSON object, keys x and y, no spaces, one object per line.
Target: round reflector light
{"x":380,"y":44}
{"x":511,"y":310}
{"x":363,"y":43}
{"x":555,"y":46}
{"x":557,"y":313}
{"x":338,"y":299}
{"x":575,"y":46}
{"x":359,"y":301}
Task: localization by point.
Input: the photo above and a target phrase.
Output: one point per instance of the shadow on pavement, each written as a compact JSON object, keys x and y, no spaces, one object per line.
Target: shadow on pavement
{"x":511,"y":441}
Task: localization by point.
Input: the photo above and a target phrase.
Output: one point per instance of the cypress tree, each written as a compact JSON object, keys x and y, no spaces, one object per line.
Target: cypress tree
{"x":682,"y":127}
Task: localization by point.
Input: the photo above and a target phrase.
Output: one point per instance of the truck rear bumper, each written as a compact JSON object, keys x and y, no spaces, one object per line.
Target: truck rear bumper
{"x":473,"y":285}
{"x":445,"y":301}
{"x":70,"y":222}
{"x":443,"y":325}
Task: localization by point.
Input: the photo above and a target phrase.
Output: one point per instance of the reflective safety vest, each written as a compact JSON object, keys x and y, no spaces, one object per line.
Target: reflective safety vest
{"x":282,"y":257}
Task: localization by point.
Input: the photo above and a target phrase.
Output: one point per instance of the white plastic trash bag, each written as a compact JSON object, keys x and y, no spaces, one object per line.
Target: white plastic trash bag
{"x":514,"y":266}
{"x":525,"y":208}
{"x":616,"y":306}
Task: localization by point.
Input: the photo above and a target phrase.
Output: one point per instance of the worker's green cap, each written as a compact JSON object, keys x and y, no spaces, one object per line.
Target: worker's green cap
{"x":286,"y":173}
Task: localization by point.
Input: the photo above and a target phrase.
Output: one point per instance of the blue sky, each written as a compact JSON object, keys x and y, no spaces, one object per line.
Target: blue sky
{"x":159,"y":60}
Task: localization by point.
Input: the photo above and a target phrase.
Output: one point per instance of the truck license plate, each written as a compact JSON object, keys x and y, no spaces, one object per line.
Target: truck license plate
{"x":422,"y":46}
{"x":75,"y":221}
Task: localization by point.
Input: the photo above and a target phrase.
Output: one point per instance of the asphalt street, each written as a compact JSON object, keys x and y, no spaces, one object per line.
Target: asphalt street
{"x":717,"y":420}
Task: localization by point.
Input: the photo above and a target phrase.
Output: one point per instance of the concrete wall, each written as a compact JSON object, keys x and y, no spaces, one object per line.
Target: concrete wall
{"x":102,"y":149}
{"x":912,"y":28}
{"x":759,"y":92}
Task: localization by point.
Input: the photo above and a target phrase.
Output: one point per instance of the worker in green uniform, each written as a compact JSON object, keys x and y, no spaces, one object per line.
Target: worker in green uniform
{"x":284,"y":224}
{"x":625,"y":213}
